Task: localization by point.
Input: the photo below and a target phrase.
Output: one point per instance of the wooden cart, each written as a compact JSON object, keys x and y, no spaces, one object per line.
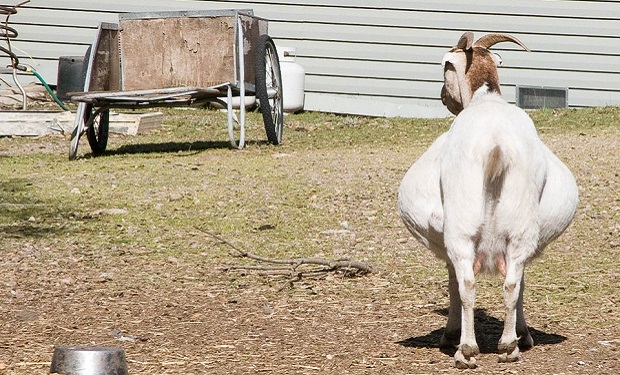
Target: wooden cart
{"x":169,"y":59}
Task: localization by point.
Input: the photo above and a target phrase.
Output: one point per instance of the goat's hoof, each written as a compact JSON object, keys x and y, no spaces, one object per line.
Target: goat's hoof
{"x":465,"y":356}
{"x":508,"y":352}
{"x":508,"y":358}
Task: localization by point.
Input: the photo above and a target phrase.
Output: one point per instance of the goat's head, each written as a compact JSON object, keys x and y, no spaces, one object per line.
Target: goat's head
{"x":470,"y":66}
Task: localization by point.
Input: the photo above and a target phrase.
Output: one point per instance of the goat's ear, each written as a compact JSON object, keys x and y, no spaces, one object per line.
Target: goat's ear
{"x":449,"y":57}
{"x":497,"y":59}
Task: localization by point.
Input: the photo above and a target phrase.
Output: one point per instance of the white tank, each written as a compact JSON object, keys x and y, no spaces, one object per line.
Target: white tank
{"x":293,"y":78}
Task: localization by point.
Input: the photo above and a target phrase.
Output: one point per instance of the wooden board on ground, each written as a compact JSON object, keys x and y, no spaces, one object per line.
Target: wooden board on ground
{"x":38,"y":123}
{"x":132,"y":124}
{"x":35,"y":123}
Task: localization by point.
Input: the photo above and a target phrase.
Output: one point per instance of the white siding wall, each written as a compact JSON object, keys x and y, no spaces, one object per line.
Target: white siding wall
{"x":380,"y":58}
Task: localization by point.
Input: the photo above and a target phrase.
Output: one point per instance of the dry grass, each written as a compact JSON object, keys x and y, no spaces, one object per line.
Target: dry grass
{"x":98,"y":246}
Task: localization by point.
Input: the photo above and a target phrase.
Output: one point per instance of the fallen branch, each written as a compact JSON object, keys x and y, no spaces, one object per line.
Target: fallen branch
{"x":296,"y":267}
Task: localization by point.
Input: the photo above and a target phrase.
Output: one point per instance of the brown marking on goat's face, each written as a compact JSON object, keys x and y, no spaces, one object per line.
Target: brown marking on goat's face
{"x":463,"y":77}
{"x":483,"y":71}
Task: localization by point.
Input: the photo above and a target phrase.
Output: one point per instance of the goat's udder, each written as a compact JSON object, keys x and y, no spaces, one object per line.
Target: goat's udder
{"x":500,"y":263}
{"x":478,"y":263}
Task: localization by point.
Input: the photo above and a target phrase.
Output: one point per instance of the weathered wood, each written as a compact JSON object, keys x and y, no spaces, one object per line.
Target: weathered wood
{"x":171,"y":52}
{"x":38,"y":123}
{"x":35,"y":123}
{"x":106,"y":70}
{"x":133,"y":124}
{"x":149,"y":93}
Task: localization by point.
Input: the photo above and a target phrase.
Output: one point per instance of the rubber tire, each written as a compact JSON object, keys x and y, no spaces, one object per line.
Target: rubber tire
{"x":97,"y":133}
{"x":271,"y":109}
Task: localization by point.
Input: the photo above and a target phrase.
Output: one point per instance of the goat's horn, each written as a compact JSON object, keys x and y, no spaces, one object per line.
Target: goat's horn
{"x":466,"y":41}
{"x":491,"y":39}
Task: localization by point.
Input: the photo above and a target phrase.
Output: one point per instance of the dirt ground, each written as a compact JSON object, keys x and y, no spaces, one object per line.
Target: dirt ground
{"x":185,"y":314}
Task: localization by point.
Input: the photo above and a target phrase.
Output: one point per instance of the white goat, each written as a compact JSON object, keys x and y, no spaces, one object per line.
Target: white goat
{"x":487,"y":195}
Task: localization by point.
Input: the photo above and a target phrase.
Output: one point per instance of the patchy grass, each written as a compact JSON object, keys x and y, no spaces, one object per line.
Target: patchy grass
{"x":118,"y":242}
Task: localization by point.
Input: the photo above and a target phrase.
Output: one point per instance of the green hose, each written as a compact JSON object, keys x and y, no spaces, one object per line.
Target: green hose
{"x":47,"y":87}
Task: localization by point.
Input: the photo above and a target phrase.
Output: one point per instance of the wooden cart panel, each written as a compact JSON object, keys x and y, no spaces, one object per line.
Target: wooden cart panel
{"x":105,"y":68}
{"x":177,"y":52}
{"x":185,"y":49}
{"x":174,"y":49}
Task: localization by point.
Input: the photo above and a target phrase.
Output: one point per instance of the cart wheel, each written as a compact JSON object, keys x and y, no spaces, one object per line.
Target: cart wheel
{"x":269,"y":88}
{"x":97,"y":130}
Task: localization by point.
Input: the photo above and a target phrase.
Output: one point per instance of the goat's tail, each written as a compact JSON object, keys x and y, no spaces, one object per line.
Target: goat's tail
{"x":495,"y":165}
{"x":495,"y":168}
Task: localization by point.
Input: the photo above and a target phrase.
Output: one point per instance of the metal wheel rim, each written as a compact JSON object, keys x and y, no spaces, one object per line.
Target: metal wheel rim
{"x":273,"y":85}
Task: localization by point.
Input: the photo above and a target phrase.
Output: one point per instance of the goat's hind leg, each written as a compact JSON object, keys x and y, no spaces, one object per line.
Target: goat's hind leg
{"x":465,"y":356}
{"x":451,"y":336}
{"x":525,"y":339}
{"x":515,"y":321}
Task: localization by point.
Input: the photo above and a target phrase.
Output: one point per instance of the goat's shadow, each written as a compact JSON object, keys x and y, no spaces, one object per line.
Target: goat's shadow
{"x":488,"y":333}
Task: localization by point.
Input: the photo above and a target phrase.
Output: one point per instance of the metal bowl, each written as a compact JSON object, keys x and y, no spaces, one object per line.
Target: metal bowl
{"x":81,"y":360}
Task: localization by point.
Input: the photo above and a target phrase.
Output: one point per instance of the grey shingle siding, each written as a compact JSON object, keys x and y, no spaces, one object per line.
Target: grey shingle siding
{"x":381,"y":58}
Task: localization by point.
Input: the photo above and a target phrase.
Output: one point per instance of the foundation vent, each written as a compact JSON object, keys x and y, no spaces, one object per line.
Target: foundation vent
{"x":533,"y":97}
